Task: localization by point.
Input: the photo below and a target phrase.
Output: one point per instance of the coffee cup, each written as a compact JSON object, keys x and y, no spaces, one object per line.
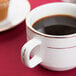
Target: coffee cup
{"x":54,"y":52}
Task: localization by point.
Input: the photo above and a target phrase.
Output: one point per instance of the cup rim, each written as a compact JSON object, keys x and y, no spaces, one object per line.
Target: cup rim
{"x":46,"y":35}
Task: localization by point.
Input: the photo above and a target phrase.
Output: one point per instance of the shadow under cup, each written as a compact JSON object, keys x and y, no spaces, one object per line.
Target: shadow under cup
{"x":70,"y":1}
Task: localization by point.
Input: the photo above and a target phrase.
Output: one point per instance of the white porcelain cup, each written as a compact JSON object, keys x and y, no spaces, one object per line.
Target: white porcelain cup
{"x":71,"y":1}
{"x":52,"y":52}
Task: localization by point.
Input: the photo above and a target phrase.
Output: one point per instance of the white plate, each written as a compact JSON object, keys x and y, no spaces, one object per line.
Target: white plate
{"x":18,"y":9}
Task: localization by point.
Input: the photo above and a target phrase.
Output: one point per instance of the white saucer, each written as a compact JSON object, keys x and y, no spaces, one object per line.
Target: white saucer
{"x":18,"y":9}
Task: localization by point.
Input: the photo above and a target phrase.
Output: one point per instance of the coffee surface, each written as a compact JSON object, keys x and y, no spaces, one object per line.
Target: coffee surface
{"x":56,"y":25}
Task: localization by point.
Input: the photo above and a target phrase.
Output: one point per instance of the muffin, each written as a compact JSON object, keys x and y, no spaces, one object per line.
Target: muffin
{"x":4,"y":4}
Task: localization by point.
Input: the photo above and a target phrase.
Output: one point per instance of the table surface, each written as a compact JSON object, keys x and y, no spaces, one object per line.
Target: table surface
{"x":11,"y":42}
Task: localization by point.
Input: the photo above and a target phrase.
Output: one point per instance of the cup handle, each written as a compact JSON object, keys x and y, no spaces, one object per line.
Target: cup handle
{"x":26,"y":51}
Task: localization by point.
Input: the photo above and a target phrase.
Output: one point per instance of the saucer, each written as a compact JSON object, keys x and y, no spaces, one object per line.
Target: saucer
{"x":18,"y":9}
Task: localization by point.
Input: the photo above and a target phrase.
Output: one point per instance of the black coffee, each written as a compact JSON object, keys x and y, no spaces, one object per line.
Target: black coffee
{"x":56,"y":25}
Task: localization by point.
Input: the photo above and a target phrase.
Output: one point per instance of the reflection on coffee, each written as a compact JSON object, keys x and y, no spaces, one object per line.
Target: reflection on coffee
{"x":56,"y":25}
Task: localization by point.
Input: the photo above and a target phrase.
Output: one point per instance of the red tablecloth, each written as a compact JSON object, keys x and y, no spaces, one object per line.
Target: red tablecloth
{"x":11,"y":42}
